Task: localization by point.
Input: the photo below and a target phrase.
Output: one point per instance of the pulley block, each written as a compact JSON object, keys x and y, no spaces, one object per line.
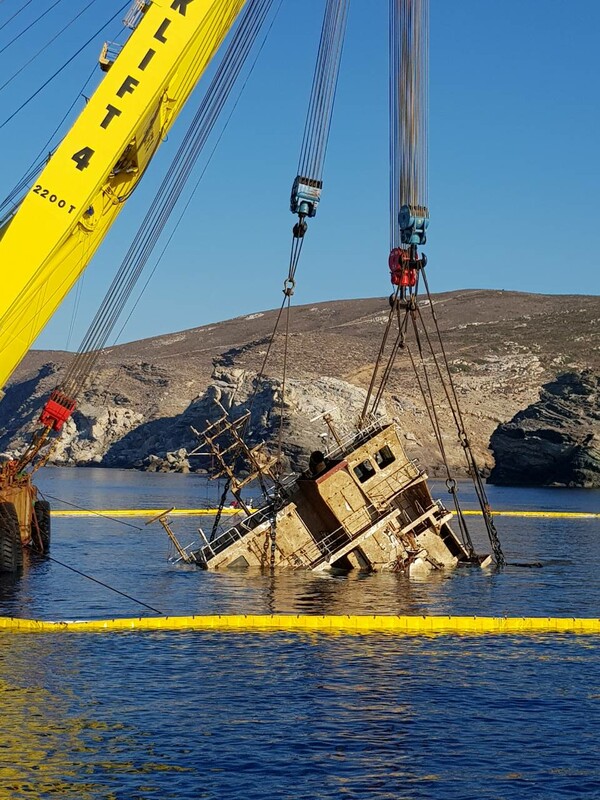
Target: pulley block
{"x":306,"y":193}
{"x":413,"y":221}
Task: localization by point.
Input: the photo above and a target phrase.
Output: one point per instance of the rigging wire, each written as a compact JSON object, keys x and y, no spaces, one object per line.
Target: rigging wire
{"x":200,"y":177}
{"x":324,"y":87}
{"x":473,"y":469}
{"x":408,"y":97}
{"x":46,"y":46}
{"x":92,"y":511}
{"x":408,"y":103}
{"x":16,"y":14}
{"x":30,"y":26}
{"x":16,"y":195}
{"x":63,"y":67}
{"x":305,"y":197}
{"x":308,"y":184}
{"x":167,"y":195}
{"x":212,"y":19}
{"x":101,"y":583}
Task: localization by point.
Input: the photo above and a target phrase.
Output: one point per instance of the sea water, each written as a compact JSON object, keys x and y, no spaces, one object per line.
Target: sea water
{"x":223,"y":715}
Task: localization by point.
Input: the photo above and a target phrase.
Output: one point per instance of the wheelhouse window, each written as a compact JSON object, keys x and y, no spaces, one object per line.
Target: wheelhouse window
{"x":364,"y":470}
{"x":384,"y":457}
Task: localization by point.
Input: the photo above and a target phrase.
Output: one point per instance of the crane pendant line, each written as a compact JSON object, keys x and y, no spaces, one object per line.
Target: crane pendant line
{"x":305,"y":196}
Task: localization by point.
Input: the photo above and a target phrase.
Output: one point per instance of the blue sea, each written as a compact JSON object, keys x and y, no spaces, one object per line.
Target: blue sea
{"x":136,"y":715}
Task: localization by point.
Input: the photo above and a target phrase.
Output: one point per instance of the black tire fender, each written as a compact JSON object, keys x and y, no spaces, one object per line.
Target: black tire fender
{"x":11,"y":549}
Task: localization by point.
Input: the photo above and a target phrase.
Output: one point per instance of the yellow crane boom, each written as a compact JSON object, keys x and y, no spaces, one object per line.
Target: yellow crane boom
{"x":51,"y":238}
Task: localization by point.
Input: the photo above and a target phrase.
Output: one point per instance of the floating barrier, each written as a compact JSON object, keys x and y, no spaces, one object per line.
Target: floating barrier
{"x":429,"y":626}
{"x":210,"y":512}
{"x":540,"y":514}
{"x":145,"y":512}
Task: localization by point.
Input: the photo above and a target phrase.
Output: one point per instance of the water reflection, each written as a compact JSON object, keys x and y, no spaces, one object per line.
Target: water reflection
{"x":57,"y":739}
{"x":220,"y":715}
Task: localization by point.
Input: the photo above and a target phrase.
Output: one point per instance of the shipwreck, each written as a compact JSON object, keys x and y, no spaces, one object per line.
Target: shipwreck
{"x":362,"y":505}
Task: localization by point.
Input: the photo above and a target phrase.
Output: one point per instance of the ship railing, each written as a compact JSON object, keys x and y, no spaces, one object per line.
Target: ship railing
{"x":333,"y":541}
{"x":386,"y":489}
{"x":442,"y":508}
{"x":355,"y":439}
{"x":237,"y":531}
{"x":338,"y":538}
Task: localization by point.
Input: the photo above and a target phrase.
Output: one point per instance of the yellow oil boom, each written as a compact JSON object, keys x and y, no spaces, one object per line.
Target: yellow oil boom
{"x":52,"y":236}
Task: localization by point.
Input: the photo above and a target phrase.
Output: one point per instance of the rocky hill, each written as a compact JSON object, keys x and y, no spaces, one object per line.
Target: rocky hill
{"x":144,"y":397}
{"x":555,"y":441}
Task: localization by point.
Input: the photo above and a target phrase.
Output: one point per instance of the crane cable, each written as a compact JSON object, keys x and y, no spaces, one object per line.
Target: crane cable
{"x":167,"y":195}
{"x":64,"y":66}
{"x":306,"y":190}
{"x":408,"y":103}
{"x":426,"y":394}
{"x":30,"y":26}
{"x":16,"y":14}
{"x":310,"y":168}
{"x":408,"y":190}
{"x":151,"y":228}
{"x":45,"y":46}
{"x":14,"y":198}
{"x":472,"y":467}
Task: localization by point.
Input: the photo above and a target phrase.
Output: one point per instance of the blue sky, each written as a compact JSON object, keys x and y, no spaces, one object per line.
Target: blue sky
{"x":514,"y":164}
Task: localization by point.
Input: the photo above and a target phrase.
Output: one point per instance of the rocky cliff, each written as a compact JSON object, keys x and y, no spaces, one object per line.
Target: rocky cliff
{"x":555,"y":441}
{"x":144,"y":397}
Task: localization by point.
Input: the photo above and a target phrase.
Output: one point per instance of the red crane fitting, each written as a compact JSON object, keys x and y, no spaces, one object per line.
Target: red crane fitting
{"x":57,"y":410}
{"x":403,"y":270}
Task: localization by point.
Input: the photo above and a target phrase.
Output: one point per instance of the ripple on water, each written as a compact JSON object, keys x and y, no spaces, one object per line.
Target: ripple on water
{"x":228,"y":715}
{"x":224,"y":715}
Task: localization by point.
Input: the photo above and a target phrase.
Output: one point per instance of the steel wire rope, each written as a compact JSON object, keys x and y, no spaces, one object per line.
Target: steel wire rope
{"x":398,"y":344}
{"x":407,"y":99}
{"x":380,"y":354}
{"x":45,"y":47}
{"x":35,"y":309}
{"x":463,"y":438}
{"x":34,"y":171}
{"x":310,"y":165}
{"x":180,"y":218}
{"x":16,"y":14}
{"x":471,"y":465}
{"x":200,"y":177}
{"x":78,"y":292}
{"x":312,"y":155}
{"x":15,"y":196}
{"x":41,"y":158}
{"x":286,"y":338}
{"x":30,"y":26}
{"x":177,"y":190}
{"x":92,"y":511}
{"x":325,"y":80}
{"x":429,"y":401}
{"x":408,"y":104}
{"x":169,"y":192}
{"x":91,"y":345}
{"x":332,"y":66}
{"x":64,"y":66}
{"x":102,"y":583}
